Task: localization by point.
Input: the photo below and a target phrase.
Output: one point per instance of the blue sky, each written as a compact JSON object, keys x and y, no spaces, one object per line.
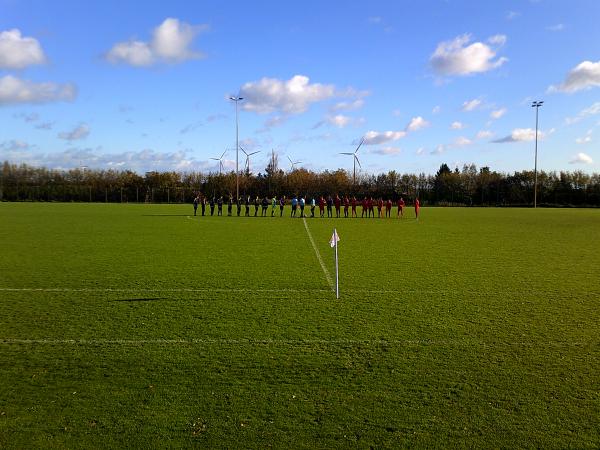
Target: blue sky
{"x":145,"y":87}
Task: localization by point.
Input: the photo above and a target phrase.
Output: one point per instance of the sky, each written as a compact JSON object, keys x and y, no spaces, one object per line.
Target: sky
{"x":146,"y":85}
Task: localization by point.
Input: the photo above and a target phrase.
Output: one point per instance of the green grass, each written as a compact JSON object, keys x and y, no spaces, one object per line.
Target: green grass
{"x":468,"y":328}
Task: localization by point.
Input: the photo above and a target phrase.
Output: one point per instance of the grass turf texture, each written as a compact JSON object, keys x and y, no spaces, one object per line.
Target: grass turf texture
{"x":471,"y":327}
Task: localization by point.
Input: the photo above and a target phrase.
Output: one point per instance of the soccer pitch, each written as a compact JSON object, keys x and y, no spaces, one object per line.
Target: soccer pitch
{"x":142,"y":325}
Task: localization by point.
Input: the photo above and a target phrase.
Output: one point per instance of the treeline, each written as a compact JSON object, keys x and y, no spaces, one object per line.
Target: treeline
{"x":466,"y":186}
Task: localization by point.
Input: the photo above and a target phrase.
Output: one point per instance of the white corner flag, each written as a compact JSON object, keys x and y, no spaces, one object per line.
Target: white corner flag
{"x":333,"y":242}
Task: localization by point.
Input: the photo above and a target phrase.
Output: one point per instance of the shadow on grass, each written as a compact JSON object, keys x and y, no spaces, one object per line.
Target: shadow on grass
{"x":165,"y":215}
{"x":144,"y":299}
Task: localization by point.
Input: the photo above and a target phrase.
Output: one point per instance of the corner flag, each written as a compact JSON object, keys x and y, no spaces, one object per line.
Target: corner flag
{"x":333,"y":242}
{"x":334,"y":239}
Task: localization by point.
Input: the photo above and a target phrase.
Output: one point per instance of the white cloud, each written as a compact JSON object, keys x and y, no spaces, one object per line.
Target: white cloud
{"x":438,"y":150}
{"x":497,"y":113}
{"x":348,"y":106}
{"x":14,"y":90}
{"x":461,"y":141}
{"x":339,"y":120}
{"x":497,"y":39}
{"x":140,"y":161}
{"x":582,"y":158}
{"x":587,"y":112}
{"x":417,"y":123}
{"x":382,"y":137}
{"x":456,"y":57}
{"x":81,"y":131}
{"x":557,"y":27}
{"x":436,"y":109}
{"x":17,"y":52}
{"x":44,"y":126}
{"x":484,"y":134}
{"x":14,"y":145}
{"x":585,"y":75}
{"x":510,"y":15}
{"x":585,"y":139}
{"x":456,"y":125}
{"x":471,"y":105}
{"x":521,"y":135}
{"x":293,"y":96}
{"x":31,"y":117}
{"x":170,"y":43}
{"x":420,"y":151}
{"x":387,"y":151}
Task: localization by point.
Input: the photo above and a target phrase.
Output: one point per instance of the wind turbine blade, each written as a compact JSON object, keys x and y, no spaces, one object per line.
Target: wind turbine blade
{"x":223,"y":154}
{"x":216,"y":159}
{"x":244,"y":151}
{"x":253,"y":153}
{"x":345,"y":153}
{"x":290,"y":159}
{"x":358,"y":161}
{"x":362,"y":140}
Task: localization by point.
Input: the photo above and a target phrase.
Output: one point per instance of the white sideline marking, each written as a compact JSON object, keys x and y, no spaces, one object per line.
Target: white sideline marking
{"x":407,"y":342}
{"x":325,"y":271}
{"x":256,"y":291}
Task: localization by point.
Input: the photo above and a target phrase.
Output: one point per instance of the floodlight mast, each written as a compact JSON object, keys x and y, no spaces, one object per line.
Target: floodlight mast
{"x":237,"y":99}
{"x":536,"y":104}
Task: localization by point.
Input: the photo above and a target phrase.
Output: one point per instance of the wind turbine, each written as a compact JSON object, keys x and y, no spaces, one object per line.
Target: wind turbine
{"x":356,"y":160}
{"x":293,"y":163}
{"x":248,"y":155}
{"x":220,"y":161}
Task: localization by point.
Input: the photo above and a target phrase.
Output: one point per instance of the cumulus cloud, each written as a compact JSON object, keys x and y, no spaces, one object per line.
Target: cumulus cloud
{"x":293,"y":96}
{"x":471,"y":105}
{"x":170,"y":43}
{"x":585,"y":113}
{"x":456,"y":125}
{"x":14,"y":91}
{"x":382,"y":137}
{"x":137,"y":161}
{"x":520,"y":135}
{"x":18,"y":52}
{"x":417,"y":123}
{"x":582,"y":158}
{"x":585,"y":139}
{"x":555,"y":28}
{"x":81,"y":131}
{"x":496,"y":114}
{"x":14,"y":145}
{"x":339,"y":120}
{"x":460,"y":57}
{"x":348,"y":106}
{"x":585,"y":75}
{"x":438,"y":150}
{"x":387,"y":151}
{"x":484,"y":134}
{"x":462,"y":141}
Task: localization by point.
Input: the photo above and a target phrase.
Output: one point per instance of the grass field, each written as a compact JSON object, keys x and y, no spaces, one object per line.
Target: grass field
{"x":143,"y":326}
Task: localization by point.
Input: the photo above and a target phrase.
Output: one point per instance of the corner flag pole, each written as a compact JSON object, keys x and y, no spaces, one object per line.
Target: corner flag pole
{"x":337,"y":278}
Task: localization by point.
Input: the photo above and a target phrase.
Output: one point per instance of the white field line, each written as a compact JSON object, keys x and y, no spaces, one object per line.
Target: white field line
{"x":403,"y":290}
{"x":209,"y":341}
{"x":325,"y":271}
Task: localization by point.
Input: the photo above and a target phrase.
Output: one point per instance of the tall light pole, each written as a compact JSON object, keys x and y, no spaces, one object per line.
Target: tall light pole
{"x":536,"y":105}
{"x":237,"y":99}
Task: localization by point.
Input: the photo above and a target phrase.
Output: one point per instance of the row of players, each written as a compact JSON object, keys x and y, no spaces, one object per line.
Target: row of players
{"x":368,"y":206}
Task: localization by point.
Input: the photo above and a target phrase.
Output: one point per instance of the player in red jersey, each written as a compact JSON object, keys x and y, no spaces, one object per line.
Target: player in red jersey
{"x":388,"y":208}
{"x":417,"y":207}
{"x":322,"y":206}
{"x":353,"y":206}
{"x":365,"y":207}
{"x":346,"y":205}
{"x":379,"y":207}
{"x":401,"y":205}
{"x":337,"y":202}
